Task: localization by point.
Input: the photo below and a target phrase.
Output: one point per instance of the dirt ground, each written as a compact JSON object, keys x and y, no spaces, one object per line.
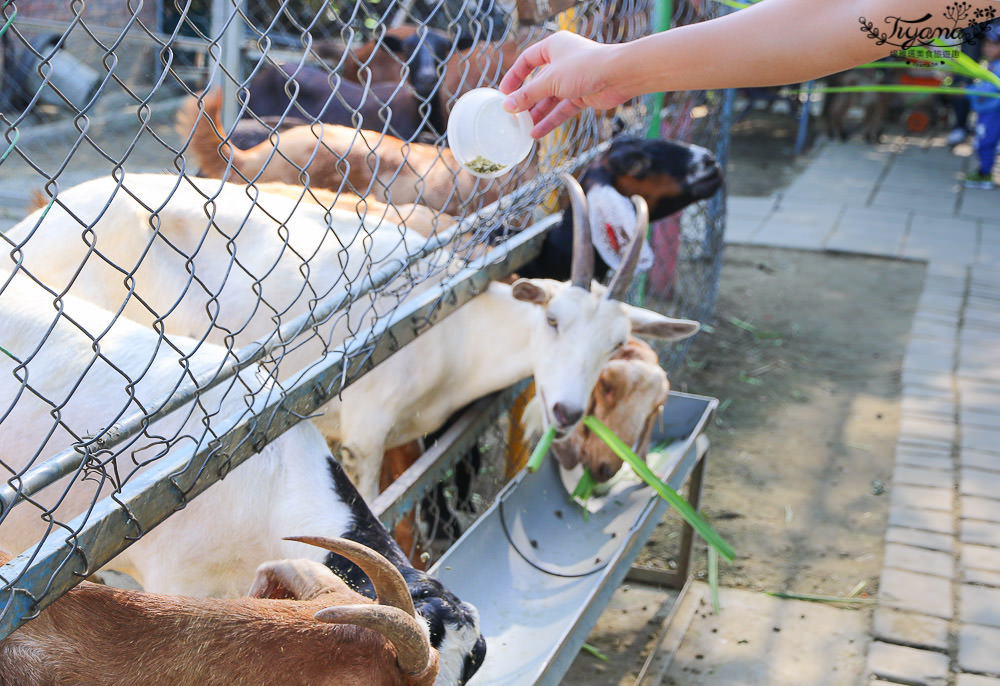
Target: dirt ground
{"x":804,"y":353}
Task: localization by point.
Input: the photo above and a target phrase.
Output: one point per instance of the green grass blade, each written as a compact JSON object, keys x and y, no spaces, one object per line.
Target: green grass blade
{"x":586,"y":647}
{"x":682,"y":506}
{"x":541,"y":450}
{"x":962,"y":62}
{"x":713,"y":579}
{"x":585,"y":486}
{"x":897,"y":88}
{"x":818,"y":598}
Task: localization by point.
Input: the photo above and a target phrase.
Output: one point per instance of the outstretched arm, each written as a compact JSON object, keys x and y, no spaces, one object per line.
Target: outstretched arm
{"x":771,"y":43}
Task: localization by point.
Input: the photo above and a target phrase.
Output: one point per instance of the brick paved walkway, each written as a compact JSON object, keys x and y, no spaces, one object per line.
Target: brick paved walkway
{"x":938,"y":616}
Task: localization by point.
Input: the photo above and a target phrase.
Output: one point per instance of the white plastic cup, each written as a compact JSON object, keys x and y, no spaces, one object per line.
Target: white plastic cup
{"x":485,"y":138}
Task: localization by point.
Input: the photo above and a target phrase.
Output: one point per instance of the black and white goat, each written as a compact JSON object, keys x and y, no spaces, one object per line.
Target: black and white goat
{"x":67,"y":353}
{"x":668,"y":175}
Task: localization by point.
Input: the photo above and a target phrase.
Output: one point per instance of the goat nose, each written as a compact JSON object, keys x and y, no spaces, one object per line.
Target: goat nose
{"x":604,"y":472}
{"x":566,"y":416}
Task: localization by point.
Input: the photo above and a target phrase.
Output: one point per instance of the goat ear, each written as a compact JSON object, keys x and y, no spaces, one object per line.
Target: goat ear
{"x":608,"y":384}
{"x":299,"y":579}
{"x":647,"y":323}
{"x":393,"y":43}
{"x":530,"y":291}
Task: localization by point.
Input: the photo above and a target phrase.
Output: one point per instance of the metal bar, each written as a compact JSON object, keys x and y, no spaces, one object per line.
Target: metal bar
{"x":427,"y":471}
{"x":670,"y":636}
{"x":803,"y":131}
{"x":687,"y":531}
{"x":151,"y":497}
{"x":227,"y":27}
{"x":677,"y":578}
{"x":663,"y":14}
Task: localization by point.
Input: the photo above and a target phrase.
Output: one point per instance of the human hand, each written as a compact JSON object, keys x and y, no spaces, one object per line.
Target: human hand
{"x":574,"y":73}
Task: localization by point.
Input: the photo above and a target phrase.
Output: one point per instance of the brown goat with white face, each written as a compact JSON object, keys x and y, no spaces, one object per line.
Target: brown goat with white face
{"x":301,"y":625}
{"x":628,"y":398}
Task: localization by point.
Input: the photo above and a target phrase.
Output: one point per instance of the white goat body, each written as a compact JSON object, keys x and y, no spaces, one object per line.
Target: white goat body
{"x":208,"y":260}
{"x":494,"y":340}
{"x":213,"y":546}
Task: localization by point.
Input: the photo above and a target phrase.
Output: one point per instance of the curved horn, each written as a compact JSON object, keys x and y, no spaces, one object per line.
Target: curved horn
{"x":390,"y":587}
{"x":583,"y":242}
{"x":626,"y":270}
{"x":413,"y":650}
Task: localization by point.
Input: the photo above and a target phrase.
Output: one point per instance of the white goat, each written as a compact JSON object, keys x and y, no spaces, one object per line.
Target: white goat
{"x":68,"y":374}
{"x":289,"y":631}
{"x":207,"y":260}
{"x":561,"y":333}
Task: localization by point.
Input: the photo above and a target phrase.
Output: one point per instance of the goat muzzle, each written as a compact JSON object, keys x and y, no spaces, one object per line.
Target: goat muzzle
{"x":626,"y":270}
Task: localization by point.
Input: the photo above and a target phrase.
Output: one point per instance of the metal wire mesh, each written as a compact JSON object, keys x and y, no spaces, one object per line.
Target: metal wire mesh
{"x":95,"y":92}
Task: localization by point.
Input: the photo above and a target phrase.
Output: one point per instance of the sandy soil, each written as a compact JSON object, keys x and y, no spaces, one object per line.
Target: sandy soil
{"x":805,"y":358}
{"x":805,"y":354}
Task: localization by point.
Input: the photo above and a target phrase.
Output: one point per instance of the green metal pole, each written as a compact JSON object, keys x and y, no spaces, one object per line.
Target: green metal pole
{"x":662,"y":15}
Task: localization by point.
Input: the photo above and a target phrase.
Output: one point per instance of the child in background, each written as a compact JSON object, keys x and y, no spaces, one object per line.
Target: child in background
{"x":988,"y":116}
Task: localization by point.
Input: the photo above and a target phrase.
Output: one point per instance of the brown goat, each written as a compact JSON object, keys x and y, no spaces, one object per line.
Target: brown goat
{"x":628,"y":399}
{"x":336,"y":157}
{"x":301,"y":625}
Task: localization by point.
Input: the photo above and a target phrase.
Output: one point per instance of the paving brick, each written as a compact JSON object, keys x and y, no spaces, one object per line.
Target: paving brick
{"x":981,"y":438}
{"x":979,"y":482}
{"x":920,"y":539}
{"x":977,"y":649}
{"x":895,"y":626}
{"x":979,"y":605}
{"x":942,"y":431}
{"x":921,"y":593}
{"x":936,"y":498}
{"x":791,"y":233}
{"x":973,"y":507}
{"x":907,"y":665}
{"x":980,"y":532}
{"x":929,"y":330}
{"x":982,"y":577}
{"x":976,"y":394}
{"x":921,"y":560}
{"x":976,"y":680}
{"x":941,"y":462}
{"x":920,"y":476}
{"x":980,"y":557}
{"x":939,"y":349}
{"x":920,"y":518}
{"x":928,"y":381}
{"x":980,"y":460}
{"x":928,"y":406}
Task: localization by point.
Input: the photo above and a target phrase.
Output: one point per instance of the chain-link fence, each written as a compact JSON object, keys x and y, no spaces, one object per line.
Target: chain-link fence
{"x":161,"y":327}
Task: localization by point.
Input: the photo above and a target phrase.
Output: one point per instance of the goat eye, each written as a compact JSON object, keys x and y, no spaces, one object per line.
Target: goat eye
{"x":552,"y":321}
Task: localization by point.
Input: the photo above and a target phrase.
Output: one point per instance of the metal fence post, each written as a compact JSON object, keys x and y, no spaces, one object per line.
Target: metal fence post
{"x":227,"y":31}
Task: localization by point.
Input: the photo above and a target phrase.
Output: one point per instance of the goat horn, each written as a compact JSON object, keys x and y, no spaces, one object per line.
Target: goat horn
{"x":626,"y":270}
{"x":583,"y":242}
{"x":413,"y":650}
{"x":390,"y":587}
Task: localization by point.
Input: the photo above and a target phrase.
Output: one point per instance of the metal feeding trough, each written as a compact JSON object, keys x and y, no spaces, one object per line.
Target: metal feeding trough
{"x":541,"y":573}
